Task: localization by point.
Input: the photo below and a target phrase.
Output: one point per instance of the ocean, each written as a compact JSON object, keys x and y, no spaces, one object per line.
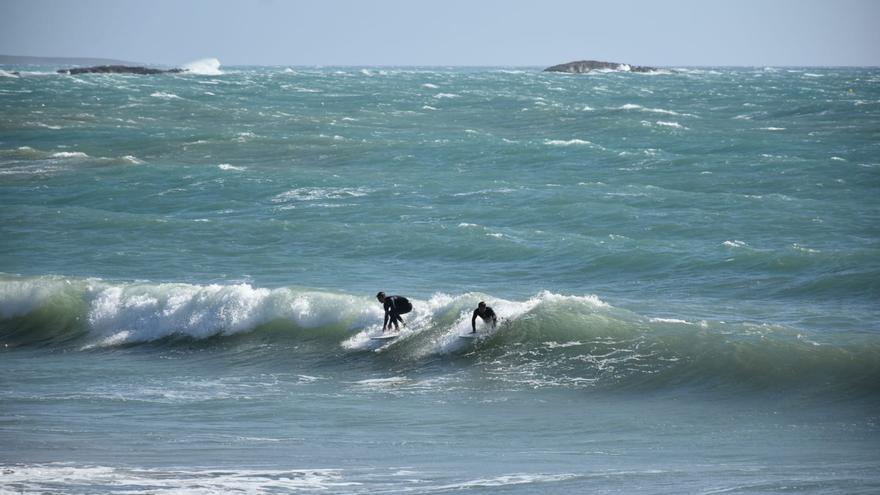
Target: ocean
{"x":685,"y":265}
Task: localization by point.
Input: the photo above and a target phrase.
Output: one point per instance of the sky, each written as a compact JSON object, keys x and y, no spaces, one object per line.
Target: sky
{"x":448,"y":32}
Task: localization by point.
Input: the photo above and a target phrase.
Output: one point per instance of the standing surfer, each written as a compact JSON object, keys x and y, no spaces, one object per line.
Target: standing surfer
{"x":394,"y":307}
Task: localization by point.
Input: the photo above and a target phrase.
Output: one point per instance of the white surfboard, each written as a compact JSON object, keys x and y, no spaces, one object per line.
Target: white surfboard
{"x":385,"y":336}
{"x":468,"y":335}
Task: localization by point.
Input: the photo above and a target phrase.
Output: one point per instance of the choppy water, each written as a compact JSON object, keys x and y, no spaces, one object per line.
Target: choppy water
{"x":686,"y":264}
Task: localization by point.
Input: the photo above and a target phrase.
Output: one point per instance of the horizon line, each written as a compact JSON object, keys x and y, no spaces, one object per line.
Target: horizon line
{"x":430,"y":65}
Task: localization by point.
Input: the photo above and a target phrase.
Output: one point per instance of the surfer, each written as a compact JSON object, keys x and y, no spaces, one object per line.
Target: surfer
{"x":394,"y":307}
{"x":484,"y":312}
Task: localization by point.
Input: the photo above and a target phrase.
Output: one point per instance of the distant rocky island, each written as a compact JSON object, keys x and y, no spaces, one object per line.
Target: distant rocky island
{"x":583,"y":66}
{"x":89,"y":65}
{"x":118,"y":69}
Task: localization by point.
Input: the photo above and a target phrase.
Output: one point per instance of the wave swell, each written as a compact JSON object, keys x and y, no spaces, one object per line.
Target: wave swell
{"x":546,"y":340}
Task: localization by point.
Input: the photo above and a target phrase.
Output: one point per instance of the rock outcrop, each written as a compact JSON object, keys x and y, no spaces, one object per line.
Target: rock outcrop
{"x":583,"y":66}
{"x":118,"y":69}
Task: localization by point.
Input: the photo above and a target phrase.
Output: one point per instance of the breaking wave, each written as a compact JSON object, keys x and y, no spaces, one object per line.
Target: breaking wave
{"x":205,"y":67}
{"x":547,"y":340}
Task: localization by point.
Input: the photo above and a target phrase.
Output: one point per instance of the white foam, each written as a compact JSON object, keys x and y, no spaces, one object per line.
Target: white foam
{"x":430,"y":86}
{"x":735,"y":244}
{"x":570,"y":142}
{"x":506,"y":480}
{"x":44,"y":125}
{"x":227,"y":166}
{"x":165,"y":96}
{"x":633,"y":106}
{"x":798,"y":247}
{"x":142,"y":313}
{"x":382,"y":383}
{"x":772,"y":128}
{"x":46,"y":478}
{"x":133,"y":160}
{"x":675,"y":125}
{"x":69,"y":154}
{"x":320,"y":193}
{"x":205,"y":67}
{"x":3,"y":73}
{"x":445,"y":95}
{"x":670,"y":320}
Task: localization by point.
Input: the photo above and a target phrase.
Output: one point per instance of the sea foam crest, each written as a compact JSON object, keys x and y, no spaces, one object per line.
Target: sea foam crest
{"x":141,"y":313}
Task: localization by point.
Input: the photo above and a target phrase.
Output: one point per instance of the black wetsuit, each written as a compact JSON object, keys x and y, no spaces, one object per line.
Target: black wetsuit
{"x":486,"y":314}
{"x":394,"y":307}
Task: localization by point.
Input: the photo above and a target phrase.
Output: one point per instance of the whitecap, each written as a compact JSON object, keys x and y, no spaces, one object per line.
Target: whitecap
{"x":69,"y":154}
{"x":48,"y":126}
{"x":445,"y":95}
{"x":227,"y":166}
{"x":798,"y":247}
{"x":320,"y":193}
{"x":735,"y":244}
{"x":570,"y":142}
{"x":675,"y":125}
{"x":430,"y":86}
{"x":165,"y":96}
{"x":633,"y":106}
{"x":132,"y":159}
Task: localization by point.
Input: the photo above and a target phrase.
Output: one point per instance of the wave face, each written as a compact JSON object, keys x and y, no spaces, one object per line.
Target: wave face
{"x":548,"y":340}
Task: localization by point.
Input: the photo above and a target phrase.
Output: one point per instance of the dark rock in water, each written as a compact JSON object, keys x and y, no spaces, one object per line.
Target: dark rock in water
{"x":583,"y":66}
{"x":118,"y":69}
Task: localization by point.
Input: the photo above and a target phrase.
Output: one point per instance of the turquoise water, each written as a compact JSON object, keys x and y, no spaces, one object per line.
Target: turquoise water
{"x":686,"y":264}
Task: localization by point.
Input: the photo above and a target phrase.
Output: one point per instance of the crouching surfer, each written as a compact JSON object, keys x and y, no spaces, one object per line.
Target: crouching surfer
{"x":394,"y":307}
{"x":486,"y":313}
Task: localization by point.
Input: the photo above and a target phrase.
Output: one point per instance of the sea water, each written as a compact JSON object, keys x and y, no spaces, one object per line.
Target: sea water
{"x":685,"y":263}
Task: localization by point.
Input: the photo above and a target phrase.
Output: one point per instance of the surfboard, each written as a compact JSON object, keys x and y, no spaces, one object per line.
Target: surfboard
{"x":468,"y":335}
{"x":385,"y":336}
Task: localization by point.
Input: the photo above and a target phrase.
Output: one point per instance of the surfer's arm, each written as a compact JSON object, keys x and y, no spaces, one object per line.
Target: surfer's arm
{"x":474,"y":321}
